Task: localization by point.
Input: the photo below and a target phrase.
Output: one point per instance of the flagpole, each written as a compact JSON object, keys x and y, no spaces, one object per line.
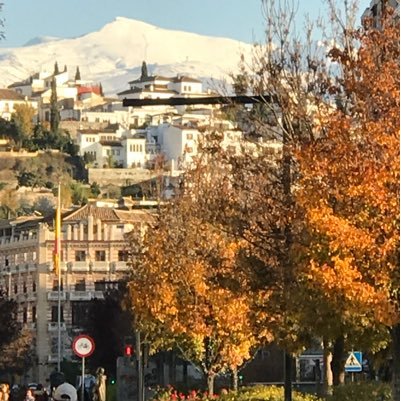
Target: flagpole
{"x":58,"y":272}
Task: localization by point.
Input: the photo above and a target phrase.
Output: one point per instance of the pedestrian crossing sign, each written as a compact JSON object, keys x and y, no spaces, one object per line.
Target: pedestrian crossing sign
{"x":354,"y":362}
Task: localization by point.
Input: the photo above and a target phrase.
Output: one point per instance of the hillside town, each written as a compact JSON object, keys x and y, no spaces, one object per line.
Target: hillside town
{"x":211,"y":242}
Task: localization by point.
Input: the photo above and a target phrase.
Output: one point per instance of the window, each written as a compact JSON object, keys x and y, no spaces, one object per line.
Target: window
{"x":55,"y":285}
{"x":15,"y":288}
{"x":79,"y":313}
{"x":80,"y":256}
{"x":100,"y":256}
{"x":55,"y":314}
{"x":24,"y":288}
{"x":100,"y":286}
{"x":190,"y":136}
{"x":80,"y":285}
{"x":33,"y":314}
{"x":33,"y":286}
{"x":123,"y":256}
{"x":25,"y":315}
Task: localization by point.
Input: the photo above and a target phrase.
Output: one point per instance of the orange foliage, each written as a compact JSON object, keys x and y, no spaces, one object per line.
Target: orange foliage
{"x":350,"y":185}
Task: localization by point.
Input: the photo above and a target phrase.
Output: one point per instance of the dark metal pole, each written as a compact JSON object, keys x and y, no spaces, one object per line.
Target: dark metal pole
{"x":139,"y":365}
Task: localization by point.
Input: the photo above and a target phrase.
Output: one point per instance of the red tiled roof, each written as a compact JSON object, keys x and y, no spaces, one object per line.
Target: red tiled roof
{"x":8,"y":94}
{"x":88,"y":89}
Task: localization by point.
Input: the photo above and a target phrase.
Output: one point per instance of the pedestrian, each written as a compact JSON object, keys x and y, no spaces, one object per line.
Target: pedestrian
{"x":56,"y":378}
{"x":99,"y":389}
{"x":29,"y":396}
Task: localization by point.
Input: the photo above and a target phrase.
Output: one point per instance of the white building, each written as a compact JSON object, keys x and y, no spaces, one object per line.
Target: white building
{"x":93,"y":256}
{"x":9,"y":99}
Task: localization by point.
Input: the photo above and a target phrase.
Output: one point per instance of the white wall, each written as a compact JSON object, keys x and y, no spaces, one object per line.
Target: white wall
{"x":134,"y":152}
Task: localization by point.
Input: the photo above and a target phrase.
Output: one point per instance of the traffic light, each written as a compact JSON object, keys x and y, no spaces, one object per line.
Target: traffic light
{"x":128,"y":350}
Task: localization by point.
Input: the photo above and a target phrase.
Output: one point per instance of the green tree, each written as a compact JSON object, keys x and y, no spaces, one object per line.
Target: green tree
{"x":54,"y":110}
{"x":9,"y":203}
{"x":144,"y":70}
{"x":95,"y":189}
{"x":77,"y":74}
{"x":107,"y":324}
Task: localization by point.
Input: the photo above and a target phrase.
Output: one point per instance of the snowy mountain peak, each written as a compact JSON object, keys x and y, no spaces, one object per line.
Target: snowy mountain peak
{"x":39,"y":40}
{"x":113,"y":55}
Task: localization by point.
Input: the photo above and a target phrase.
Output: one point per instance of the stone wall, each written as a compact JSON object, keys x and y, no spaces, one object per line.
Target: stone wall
{"x":119,"y":176}
{"x":73,"y":126}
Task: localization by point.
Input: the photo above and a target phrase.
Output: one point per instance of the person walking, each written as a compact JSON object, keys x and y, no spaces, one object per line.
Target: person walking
{"x":29,"y":396}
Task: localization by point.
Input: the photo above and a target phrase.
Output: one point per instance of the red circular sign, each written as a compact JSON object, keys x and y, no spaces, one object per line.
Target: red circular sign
{"x":83,"y":346}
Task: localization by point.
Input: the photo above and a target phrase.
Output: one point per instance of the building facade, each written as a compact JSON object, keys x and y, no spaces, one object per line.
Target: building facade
{"x":94,"y":254}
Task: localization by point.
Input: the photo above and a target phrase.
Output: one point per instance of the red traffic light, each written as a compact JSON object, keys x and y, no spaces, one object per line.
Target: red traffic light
{"x":128,"y":350}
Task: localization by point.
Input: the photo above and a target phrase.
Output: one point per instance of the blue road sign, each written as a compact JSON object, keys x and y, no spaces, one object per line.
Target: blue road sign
{"x":354,"y":362}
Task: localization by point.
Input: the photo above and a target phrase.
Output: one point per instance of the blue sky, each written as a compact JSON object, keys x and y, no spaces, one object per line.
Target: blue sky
{"x":237,"y":19}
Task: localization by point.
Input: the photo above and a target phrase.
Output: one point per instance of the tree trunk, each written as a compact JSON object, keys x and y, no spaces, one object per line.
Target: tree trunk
{"x":337,"y":363}
{"x":185,"y":373}
{"x":210,"y":384}
{"x":395,"y":337}
{"x":327,"y":373}
{"x":287,"y":377}
{"x":235,"y":379}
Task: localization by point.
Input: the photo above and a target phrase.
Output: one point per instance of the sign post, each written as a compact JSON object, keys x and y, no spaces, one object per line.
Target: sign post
{"x":83,"y":346}
{"x":354,"y":363}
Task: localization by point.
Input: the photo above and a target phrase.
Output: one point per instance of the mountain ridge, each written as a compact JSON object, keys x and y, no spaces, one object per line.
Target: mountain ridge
{"x":105,"y":55}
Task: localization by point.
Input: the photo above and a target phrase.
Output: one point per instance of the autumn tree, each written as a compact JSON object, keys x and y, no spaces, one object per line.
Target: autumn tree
{"x":23,"y":121}
{"x":186,"y":292}
{"x":350,"y":184}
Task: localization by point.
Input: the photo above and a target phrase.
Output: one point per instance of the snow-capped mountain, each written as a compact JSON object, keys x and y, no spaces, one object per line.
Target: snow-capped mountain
{"x":114,"y":54}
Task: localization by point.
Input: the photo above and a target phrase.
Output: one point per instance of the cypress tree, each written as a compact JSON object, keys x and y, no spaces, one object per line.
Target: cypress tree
{"x":56,"y":70}
{"x":144,"y":71}
{"x":65,"y":68}
{"x":101,"y":89}
{"x":77,"y":75}
{"x":54,"y":112}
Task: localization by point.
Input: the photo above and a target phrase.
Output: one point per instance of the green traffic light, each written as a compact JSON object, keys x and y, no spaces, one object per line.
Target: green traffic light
{"x":113,"y":381}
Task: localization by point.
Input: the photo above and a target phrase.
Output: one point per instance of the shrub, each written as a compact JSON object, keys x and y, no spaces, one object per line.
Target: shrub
{"x":265,"y":393}
{"x":362,"y":392}
{"x":258,"y":393}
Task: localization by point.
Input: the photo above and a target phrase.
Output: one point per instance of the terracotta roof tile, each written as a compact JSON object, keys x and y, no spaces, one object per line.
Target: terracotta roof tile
{"x":9,"y":94}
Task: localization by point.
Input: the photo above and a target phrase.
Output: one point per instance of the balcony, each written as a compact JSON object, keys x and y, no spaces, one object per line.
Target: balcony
{"x":80,"y":266}
{"x":80,"y":296}
{"x":53,"y":326}
{"x":97,"y":294}
{"x":85,"y":295}
{"x":100,"y":266}
{"x":53,"y":296}
{"x":120,"y":266}
{"x":63,"y":267}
